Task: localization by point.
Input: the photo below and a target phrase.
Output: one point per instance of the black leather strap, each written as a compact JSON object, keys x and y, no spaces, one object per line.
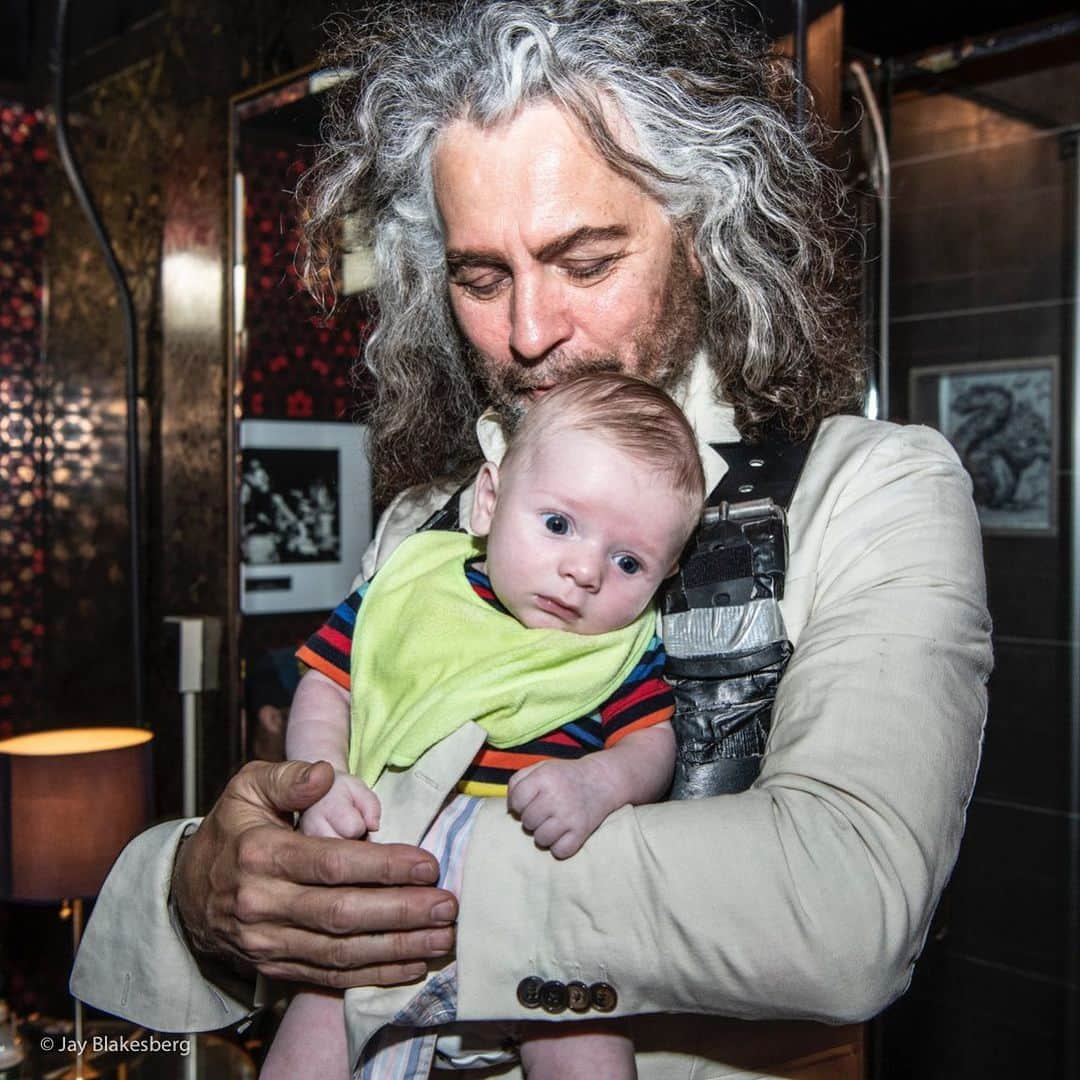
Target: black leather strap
{"x":448,"y":517}
{"x":769,"y":469}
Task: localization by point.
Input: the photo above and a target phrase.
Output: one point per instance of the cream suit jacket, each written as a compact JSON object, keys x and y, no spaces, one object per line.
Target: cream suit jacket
{"x":806,"y":898}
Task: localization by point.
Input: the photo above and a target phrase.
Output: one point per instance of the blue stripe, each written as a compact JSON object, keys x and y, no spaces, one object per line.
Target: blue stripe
{"x":583,"y":736}
{"x":417,"y":1046}
{"x":651,"y":664}
{"x":449,"y":848}
{"x":346,"y":610}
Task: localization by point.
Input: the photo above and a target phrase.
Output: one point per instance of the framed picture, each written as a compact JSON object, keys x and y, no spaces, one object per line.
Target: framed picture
{"x":1003,"y":419}
{"x":305,"y":513}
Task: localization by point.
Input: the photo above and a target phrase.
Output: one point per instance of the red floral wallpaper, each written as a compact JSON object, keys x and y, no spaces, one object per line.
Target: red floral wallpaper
{"x":24,"y":155}
{"x":297,"y":362}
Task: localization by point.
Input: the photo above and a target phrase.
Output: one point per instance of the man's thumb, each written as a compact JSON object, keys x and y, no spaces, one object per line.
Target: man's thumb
{"x":295,"y":785}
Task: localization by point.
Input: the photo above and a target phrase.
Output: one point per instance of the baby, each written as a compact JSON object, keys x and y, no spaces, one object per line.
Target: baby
{"x":586,"y":515}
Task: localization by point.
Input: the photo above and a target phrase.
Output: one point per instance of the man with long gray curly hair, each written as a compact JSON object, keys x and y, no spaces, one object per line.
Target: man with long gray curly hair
{"x":678,"y":99}
{"x":555,"y":188}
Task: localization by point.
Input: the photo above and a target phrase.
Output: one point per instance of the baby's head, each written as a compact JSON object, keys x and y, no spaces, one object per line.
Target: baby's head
{"x":595,"y":498}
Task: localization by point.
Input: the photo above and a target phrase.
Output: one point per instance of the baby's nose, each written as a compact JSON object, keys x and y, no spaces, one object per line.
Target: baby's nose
{"x":583,"y":568}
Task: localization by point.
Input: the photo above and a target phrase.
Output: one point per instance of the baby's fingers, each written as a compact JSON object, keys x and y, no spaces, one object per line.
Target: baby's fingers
{"x":537,"y":813}
{"x":367,"y":802}
{"x":523,"y":787}
{"x":343,"y":825}
{"x":553,"y":832}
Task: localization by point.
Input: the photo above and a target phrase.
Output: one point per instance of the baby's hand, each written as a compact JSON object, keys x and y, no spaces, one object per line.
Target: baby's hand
{"x":560,"y":802}
{"x":349,"y":810}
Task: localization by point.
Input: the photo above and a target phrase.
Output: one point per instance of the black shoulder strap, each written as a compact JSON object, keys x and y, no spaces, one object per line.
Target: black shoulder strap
{"x":769,"y":469}
{"x":448,"y":517}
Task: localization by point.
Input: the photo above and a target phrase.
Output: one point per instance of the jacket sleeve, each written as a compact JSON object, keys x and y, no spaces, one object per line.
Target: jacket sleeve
{"x":809,"y":895}
{"x":133,"y":960}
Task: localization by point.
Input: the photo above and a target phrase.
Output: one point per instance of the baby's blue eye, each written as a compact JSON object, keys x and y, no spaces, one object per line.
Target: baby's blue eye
{"x":627,"y":564}
{"x":557,"y":524}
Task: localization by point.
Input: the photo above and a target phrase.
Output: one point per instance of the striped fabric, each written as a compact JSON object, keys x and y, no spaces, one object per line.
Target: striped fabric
{"x":399,"y":1051}
{"x":328,"y":649}
{"x":643,"y":699}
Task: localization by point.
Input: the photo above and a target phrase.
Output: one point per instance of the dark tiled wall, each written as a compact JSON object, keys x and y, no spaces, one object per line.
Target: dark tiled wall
{"x":981,"y":258}
{"x":23,"y":413}
{"x":150,"y":120}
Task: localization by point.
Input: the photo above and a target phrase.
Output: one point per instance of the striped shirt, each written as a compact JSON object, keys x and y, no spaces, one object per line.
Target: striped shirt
{"x":644,"y":699}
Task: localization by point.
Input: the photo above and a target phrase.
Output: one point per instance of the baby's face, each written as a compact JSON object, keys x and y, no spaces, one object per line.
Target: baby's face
{"x":580,"y":536}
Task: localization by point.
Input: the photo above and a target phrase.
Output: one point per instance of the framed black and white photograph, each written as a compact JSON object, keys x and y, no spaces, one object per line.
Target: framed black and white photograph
{"x":305,"y":513}
{"x":1002,"y":418}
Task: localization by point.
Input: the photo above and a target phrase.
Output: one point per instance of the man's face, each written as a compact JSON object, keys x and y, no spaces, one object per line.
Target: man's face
{"x":558,"y":266}
{"x":579,"y":535}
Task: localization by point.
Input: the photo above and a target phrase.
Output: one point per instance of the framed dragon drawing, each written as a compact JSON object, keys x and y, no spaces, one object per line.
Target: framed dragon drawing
{"x":1003,"y":418}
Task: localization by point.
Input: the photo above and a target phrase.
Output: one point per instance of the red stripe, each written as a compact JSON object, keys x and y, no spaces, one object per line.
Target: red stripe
{"x":335,"y":639}
{"x":649,"y":688}
{"x":560,"y":738}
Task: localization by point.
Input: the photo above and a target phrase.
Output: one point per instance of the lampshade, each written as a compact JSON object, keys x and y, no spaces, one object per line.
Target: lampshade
{"x":69,"y":801}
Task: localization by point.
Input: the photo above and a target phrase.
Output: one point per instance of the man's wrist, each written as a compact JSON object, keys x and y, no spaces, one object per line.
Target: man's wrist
{"x":178,"y":894}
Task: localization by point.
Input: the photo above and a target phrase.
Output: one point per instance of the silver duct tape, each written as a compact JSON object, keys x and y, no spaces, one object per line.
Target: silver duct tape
{"x":721,"y":630}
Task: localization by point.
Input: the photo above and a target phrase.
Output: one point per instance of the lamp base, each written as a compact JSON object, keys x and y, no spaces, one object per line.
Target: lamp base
{"x":86,"y":1071}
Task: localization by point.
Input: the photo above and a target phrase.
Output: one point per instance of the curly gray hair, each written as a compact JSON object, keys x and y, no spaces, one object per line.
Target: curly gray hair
{"x":710,"y":110}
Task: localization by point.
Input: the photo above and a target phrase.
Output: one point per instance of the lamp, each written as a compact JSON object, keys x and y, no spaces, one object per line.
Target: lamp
{"x":69,"y":802}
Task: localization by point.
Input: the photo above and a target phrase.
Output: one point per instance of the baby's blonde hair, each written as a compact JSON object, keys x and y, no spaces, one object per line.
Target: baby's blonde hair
{"x":632,"y":415}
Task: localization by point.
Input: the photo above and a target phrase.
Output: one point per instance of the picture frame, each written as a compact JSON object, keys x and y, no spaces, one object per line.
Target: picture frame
{"x":305,"y":513}
{"x":1003,"y":419}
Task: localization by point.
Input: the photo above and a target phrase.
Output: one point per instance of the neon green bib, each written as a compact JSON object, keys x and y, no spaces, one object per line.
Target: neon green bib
{"x":428,"y":654}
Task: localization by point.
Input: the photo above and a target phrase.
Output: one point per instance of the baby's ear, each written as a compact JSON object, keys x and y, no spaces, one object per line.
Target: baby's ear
{"x":485,"y":496}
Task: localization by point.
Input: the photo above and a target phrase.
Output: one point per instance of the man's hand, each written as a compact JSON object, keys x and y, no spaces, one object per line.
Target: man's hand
{"x":333,"y":913}
{"x":350,"y":809}
{"x":561,"y":803}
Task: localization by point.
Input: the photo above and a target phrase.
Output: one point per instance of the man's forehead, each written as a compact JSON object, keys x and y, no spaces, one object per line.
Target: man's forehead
{"x":537,"y":175}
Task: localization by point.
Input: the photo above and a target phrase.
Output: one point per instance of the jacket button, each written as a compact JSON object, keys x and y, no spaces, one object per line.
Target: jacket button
{"x":528,"y":992}
{"x":577,"y":995}
{"x":553,"y":997}
{"x":603,"y":996}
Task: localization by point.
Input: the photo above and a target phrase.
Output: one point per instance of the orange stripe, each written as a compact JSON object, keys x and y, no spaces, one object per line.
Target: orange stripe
{"x":323,"y":666}
{"x":650,"y":720}
{"x":504,"y":759}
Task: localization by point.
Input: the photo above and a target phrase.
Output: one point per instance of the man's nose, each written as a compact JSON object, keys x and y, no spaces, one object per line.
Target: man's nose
{"x":539,"y":321}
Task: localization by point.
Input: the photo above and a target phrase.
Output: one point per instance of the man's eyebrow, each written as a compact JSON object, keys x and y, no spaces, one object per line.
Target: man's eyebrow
{"x":457,"y":258}
{"x":587,"y":234}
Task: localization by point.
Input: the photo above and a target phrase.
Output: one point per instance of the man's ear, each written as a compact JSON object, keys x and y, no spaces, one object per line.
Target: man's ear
{"x":687,"y":240}
{"x":485,"y":496}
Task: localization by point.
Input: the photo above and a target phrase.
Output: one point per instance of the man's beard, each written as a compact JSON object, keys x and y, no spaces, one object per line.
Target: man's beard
{"x":663,"y":349}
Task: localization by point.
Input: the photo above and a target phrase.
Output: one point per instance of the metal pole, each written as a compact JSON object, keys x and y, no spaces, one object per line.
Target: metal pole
{"x":1070,"y":146}
{"x":191,"y":737}
{"x":81,"y":1070}
{"x":127,"y":306}
{"x":882,"y":179}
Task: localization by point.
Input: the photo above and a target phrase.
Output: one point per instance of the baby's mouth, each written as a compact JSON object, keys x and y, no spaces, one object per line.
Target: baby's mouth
{"x":566,"y":612}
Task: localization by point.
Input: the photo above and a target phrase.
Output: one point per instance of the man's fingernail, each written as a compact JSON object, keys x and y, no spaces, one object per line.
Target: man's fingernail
{"x":425,"y":873}
{"x":443,"y":912}
{"x":305,"y":776}
{"x":440,"y":941}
